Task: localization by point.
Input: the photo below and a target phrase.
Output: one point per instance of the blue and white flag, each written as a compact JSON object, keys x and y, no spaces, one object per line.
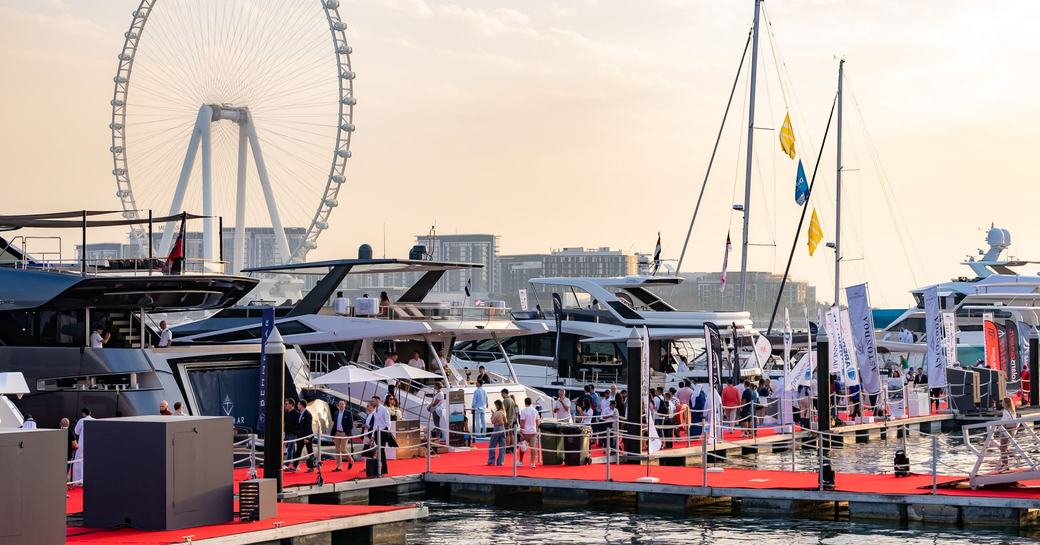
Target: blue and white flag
{"x":801,"y":186}
{"x":657,"y":255}
{"x":935,"y":359}
{"x":863,"y":337}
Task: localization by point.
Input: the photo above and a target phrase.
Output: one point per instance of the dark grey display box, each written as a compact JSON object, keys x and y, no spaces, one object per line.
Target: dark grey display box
{"x":32,"y":487}
{"x":158,"y":472}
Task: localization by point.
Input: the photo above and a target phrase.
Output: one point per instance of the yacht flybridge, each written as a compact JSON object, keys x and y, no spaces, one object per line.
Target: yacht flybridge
{"x":49,"y":311}
{"x":997,"y":288}
{"x":370,"y":330}
{"x":597,"y":318}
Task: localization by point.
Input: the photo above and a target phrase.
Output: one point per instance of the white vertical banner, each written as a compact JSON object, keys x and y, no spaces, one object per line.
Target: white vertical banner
{"x":935,"y":359}
{"x":654,"y":440}
{"x":949,"y":321}
{"x":788,"y":340}
{"x":850,"y":369}
{"x":523,"y":299}
{"x":833,"y":325}
{"x":862,"y":323}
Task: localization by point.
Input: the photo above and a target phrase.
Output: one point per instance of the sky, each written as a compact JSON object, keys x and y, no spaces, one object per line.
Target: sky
{"x":591,"y":123}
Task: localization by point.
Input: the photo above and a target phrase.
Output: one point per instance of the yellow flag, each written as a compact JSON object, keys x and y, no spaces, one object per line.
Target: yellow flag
{"x":815,"y":233}
{"x":787,"y":137}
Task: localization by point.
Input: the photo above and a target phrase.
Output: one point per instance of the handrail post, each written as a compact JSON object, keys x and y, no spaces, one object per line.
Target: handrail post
{"x":252,"y":456}
{"x":379,"y":452}
{"x":608,"y":452}
{"x":516,"y":447}
{"x":704,"y":455}
{"x":429,"y":447}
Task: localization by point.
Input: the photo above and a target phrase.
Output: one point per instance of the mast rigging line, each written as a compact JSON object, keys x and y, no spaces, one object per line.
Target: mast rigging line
{"x":801,"y":220}
{"x":714,"y":150}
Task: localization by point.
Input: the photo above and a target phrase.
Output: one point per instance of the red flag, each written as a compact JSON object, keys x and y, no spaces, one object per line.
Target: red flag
{"x":992,"y":344}
{"x":175,"y":261}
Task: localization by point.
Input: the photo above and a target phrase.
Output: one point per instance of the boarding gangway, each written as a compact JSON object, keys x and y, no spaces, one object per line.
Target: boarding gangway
{"x":1007,"y":451}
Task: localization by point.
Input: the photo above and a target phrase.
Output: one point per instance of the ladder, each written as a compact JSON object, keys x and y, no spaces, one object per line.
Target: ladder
{"x":1007,"y":451}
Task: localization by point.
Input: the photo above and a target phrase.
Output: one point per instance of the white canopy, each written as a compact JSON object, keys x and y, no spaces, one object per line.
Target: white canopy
{"x":348,"y":374}
{"x":405,"y":371}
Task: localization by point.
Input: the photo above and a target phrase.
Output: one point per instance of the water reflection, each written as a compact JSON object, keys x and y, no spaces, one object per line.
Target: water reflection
{"x":479,"y":524}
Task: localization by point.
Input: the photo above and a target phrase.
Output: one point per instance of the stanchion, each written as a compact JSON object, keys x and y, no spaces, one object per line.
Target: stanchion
{"x":429,"y":447}
{"x":252,"y":455}
{"x":516,"y":447}
{"x":378,"y":453}
{"x":608,"y":453}
{"x":704,"y":455}
{"x":317,"y":448}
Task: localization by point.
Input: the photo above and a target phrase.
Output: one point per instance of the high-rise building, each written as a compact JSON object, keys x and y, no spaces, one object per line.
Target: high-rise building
{"x":703,"y":290}
{"x":600,"y":262}
{"x":473,"y":248}
{"x":515,"y":272}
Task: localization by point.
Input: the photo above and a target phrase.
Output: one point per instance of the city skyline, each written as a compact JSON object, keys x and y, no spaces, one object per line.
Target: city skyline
{"x":595,"y":122}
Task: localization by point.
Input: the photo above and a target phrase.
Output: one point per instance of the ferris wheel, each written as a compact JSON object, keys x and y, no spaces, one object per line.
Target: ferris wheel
{"x":201,"y":87}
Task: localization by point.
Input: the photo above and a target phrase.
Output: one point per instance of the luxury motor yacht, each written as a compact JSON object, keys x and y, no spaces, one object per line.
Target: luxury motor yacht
{"x":996,"y":288}
{"x":321,"y":341}
{"x":49,"y":310}
{"x":597,"y":318}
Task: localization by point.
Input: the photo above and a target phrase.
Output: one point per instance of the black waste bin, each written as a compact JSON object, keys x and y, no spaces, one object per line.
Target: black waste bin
{"x":576,"y":444}
{"x":552,"y":443}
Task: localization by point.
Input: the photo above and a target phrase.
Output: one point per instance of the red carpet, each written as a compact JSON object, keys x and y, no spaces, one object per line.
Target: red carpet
{"x":288,"y":514}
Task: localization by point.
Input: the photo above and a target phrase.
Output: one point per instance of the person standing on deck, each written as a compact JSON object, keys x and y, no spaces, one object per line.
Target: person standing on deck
{"x":165,"y":335}
{"x":99,"y":338}
{"x":562,"y":406}
{"x":77,"y":466}
{"x":381,"y":432}
{"x":290,"y":418}
{"x":479,"y":406}
{"x":178,"y":409}
{"x":417,"y":361}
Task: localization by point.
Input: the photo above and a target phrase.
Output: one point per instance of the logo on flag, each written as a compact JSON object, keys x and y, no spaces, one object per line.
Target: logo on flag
{"x":815,"y":232}
{"x":787,"y":137}
{"x":725,"y":262}
{"x":801,"y":186}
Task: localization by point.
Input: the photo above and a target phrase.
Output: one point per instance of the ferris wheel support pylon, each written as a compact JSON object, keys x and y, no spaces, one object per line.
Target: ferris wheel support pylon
{"x":201,"y":138}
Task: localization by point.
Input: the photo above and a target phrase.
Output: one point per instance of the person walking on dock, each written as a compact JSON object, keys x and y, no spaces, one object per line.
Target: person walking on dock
{"x":381,"y":432}
{"x":342,"y":427}
{"x":290,"y":432}
{"x":304,"y":428}
{"x":498,"y":435}
{"x":529,"y":421}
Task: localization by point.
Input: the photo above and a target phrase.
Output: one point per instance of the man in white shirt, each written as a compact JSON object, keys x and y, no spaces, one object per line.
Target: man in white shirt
{"x":529,"y":420}
{"x":417,"y":361}
{"x":479,"y":406}
{"x":178,"y":409}
{"x":165,"y":335}
{"x":381,"y":432}
{"x":29,"y":423}
{"x":97,"y":340}
{"x":341,"y":304}
{"x":610,"y":418}
{"x":77,"y":466}
{"x":562,"y":406}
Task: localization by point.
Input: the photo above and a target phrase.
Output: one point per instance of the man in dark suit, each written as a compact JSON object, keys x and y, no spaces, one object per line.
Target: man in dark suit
{"x":342,"y":428}
{"x":304,"y":428}
{"x":291,"y":416}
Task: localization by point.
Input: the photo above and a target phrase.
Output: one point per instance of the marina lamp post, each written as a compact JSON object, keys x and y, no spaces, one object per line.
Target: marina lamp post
{"x":823,"y":408}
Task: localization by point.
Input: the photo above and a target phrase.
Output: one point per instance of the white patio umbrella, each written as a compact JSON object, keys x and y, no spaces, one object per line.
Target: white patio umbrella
{"x":405,"y":371}
{"x":348,"y":374}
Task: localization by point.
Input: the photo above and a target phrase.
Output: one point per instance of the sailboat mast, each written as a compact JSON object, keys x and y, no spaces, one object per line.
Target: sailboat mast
{"x":750,"y":151}
{"x":837,"y":207}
